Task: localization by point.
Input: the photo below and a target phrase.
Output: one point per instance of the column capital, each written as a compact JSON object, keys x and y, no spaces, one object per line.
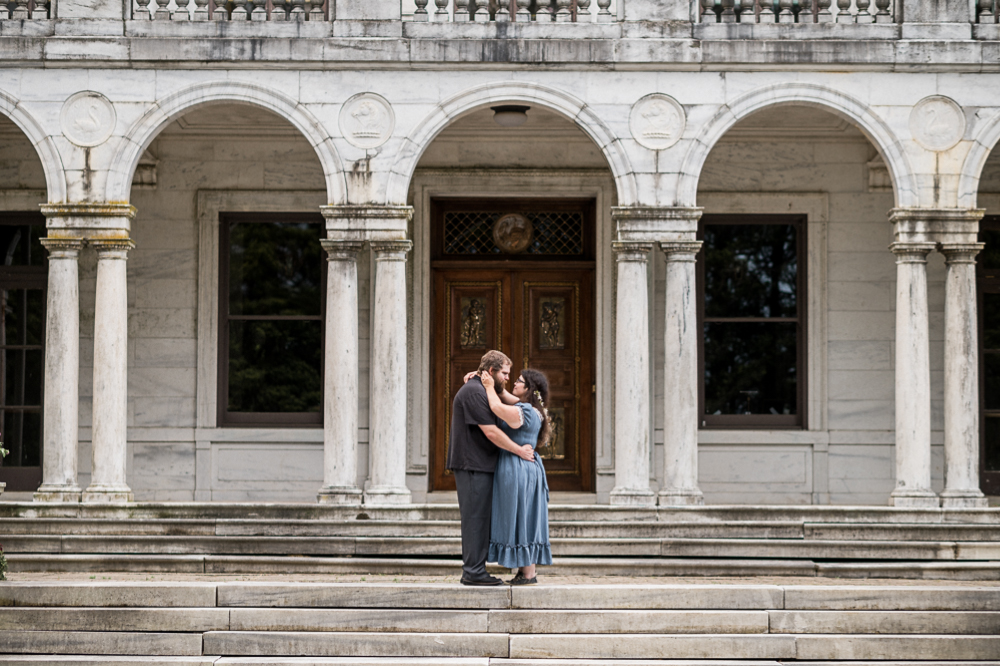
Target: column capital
{"x":391,"y":250}
{"x":936,"y":225}
{"x":340,"y":250}
{"x":367,"y":222}
{"x":911,"y":253}
{"x":91,"y":220}
{"x":63,"y":248}
{"x":681,"y":250}
{"x":655,"y":223}
{"x":961,"y":253}
{"x":631,"y":251}
{"x":112,"y":249}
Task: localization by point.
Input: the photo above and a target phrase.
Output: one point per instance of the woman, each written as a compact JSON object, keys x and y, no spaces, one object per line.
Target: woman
{"x":519,"y":531}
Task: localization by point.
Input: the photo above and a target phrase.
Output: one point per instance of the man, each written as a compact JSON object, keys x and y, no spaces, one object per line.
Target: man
{"x":474,"y":447}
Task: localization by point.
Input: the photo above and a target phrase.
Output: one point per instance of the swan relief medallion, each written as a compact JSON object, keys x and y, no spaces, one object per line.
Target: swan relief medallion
{"x":937,"y":123}
{"x":87,"y":119}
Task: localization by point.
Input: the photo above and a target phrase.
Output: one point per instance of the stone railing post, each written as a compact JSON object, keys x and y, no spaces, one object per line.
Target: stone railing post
{"x":961,"y":379}
{"x":340,"y":404}
{"x":680,"y":377}
{"x":913,"y":378}
{"x":107,"y":482}
{"x":632,"y":436}
{"x":62,"y":373}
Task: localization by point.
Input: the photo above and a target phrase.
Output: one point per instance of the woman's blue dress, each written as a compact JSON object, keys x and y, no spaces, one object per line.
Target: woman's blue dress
{"x":519,"y":533}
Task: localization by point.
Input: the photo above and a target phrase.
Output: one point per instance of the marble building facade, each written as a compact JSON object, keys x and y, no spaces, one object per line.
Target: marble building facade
{"x":137,"y":135}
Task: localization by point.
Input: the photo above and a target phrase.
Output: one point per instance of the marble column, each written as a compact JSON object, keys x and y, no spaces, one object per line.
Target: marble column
{"x":961,"y":379}
{"x":340,"y":375}
{"x":387,"y":439}
{"x":632,"y":436}
{"x":107,"y":482}
{"x":62,"y":373}
{"x":913,"y":378}
{"x":680,"y":378}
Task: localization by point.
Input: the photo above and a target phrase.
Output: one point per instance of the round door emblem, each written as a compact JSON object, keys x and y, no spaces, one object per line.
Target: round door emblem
{"x":513,"y":233}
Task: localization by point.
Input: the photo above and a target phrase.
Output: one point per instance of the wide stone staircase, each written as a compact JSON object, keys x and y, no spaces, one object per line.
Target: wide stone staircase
{"x":220,"y":538}
{"x":285,"y":623}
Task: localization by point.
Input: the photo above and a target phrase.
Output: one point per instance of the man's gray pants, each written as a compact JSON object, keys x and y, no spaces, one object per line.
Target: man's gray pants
{"x":475,"y":505}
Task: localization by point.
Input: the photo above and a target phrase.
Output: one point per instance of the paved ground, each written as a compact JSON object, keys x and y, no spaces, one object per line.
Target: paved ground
{"x":542,"y":579}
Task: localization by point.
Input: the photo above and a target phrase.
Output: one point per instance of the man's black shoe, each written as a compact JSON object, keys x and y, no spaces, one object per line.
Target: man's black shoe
{"x":485,"y":580}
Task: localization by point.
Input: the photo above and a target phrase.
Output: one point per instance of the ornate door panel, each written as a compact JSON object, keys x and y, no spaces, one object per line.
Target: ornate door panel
{"x":471,"y":317}
{"x":554,"y":335}
{"x":516,"y":275}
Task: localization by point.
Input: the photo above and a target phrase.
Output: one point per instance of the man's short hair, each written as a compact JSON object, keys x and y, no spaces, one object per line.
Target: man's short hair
{"x":493,"y":360}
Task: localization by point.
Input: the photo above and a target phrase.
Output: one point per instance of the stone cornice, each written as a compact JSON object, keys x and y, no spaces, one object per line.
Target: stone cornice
{"x":656,"y":223}
{"x":181,"y":45}
{"x":367,"y":222}
{"x":95,"y":221}
{"x":936,"y":225}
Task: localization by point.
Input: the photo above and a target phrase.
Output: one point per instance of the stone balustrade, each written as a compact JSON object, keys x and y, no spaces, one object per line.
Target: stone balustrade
{"x":22,"y":10}
{"x":231,"y":10}
{"x":987,"y":11}
{"x":798,"y":11}
{"x":539,"y":11}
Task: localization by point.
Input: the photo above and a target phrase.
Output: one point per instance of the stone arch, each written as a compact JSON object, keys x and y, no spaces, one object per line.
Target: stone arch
{"x":164,"y":111}
{"x":551,"y":99}
{"x":987,"y":140}
{"x":805,"y":94}
{"x":45,"y":148}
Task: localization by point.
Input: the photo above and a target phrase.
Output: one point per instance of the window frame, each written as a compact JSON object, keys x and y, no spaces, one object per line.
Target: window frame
{"x":29,"y":478}
{"x":989,"y":481}
{"x":226,"y":418}
{"x":799,"y":420}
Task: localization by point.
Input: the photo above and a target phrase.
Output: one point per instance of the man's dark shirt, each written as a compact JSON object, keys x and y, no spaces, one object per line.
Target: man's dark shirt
{"x":469,"y":448}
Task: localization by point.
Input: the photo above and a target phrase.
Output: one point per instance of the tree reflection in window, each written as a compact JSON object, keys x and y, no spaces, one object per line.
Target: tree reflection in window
{"x":752,"y":333}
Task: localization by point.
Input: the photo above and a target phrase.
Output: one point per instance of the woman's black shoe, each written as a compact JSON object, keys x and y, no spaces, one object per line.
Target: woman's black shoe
{"x":519,"y":579}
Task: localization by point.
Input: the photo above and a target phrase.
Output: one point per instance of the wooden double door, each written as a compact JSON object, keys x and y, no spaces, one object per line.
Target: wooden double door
{"x":542,"y":317}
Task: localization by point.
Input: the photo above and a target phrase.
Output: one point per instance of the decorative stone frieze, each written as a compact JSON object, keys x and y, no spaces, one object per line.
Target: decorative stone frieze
{"x":936,"y":225}
{"x":367,"y":222}
{"x":96,"y":221}
{"x":653,"y":224}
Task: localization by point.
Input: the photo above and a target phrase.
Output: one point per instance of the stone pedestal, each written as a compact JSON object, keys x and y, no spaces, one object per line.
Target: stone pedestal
{"x":340,"y":404}
{"x":961,"y":379}
{"x":680,"y":377}
{"x":913,"y":378}
{"x":110,"y":375}
{"x":62,"y":373}
{"x":632,"y":436}
{"x":387,"y":441}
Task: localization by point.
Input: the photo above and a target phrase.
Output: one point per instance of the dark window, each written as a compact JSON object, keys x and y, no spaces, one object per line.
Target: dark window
{"x":23,"y":276}
{"x":751,"y":308}
{"x":271,"y":304}
{"x":988,"y":278}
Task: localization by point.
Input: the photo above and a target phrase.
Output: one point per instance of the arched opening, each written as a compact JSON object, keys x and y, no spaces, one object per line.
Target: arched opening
{"x":796,"y":310}
{"x":988,"y":280}
{"x":512,"y":234}
{"x":226,"y":306}
{"x":23,"y":281}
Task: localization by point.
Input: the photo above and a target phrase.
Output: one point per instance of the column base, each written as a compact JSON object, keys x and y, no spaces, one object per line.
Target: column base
{"x":57,"y":493}
{"x":680,"y":497}
{"x":339,"y":495}
{"x":387,"y":496}
{"x":914,"y":499}
{"x":632,"y":497}
{"x":963,"y":499}
{"x":107,"y":495}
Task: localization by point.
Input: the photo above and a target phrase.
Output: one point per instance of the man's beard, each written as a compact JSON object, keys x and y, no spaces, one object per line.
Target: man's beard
{"x":498,"y":384}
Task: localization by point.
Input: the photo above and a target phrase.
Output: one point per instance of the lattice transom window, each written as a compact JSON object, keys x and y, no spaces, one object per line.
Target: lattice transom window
{"x":551,"y":233}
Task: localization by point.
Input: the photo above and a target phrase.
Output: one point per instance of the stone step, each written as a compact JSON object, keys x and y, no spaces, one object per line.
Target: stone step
{"x":100,"y":660}
{"x":718,"y":646}
{"x":108,"y":594}
{"x":24,"y":641}
{"x":558,"y":529}
{"x":253,"y":564}
{"x":883,"y":622}
{"x":557,"y":512}
{"x":115,"y":619}
{"x":91,"y":660}
{"x":451,"y":546}
{"x":355,"y":644}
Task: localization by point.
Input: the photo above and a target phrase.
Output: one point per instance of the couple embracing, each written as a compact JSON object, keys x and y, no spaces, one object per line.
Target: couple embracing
{"x":503,"y":496}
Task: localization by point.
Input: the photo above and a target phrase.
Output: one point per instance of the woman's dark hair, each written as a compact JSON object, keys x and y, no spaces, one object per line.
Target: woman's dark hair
{"x":538,"y":397}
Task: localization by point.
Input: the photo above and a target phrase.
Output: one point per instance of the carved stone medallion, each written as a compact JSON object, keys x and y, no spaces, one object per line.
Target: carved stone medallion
{"x":657,"y":121}
{"x":87,"y":119}
{"x":513,"y":233}
{"x":367,"y":120}
{"x":937,"y":123}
